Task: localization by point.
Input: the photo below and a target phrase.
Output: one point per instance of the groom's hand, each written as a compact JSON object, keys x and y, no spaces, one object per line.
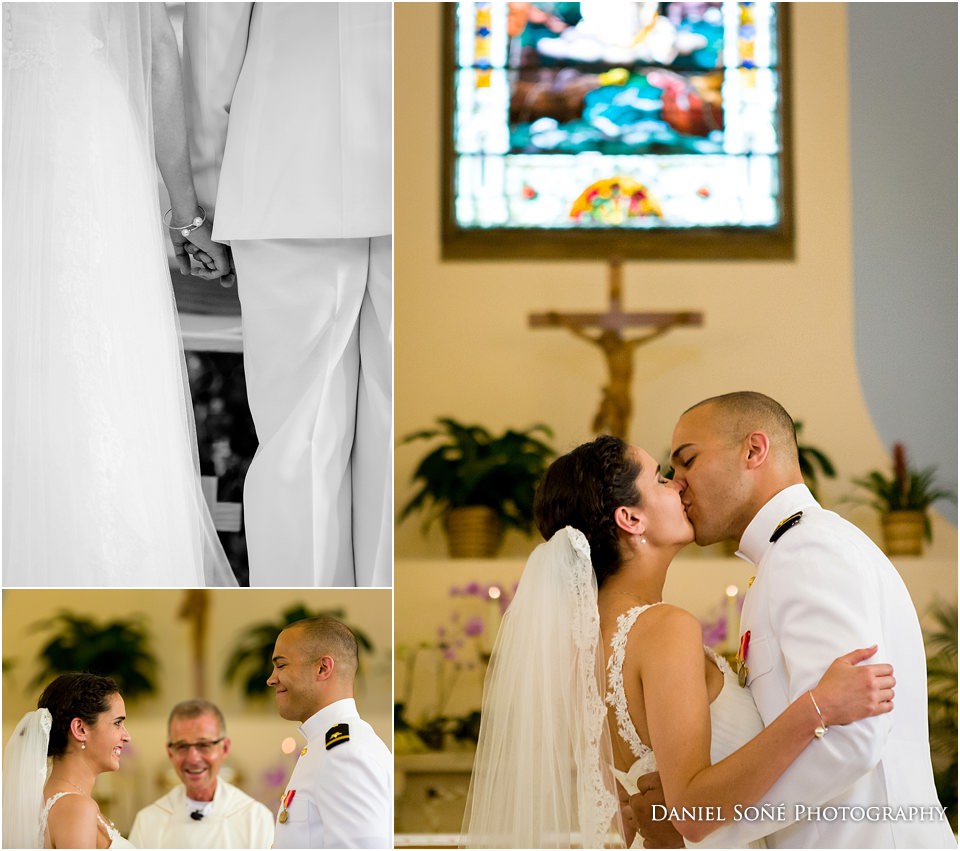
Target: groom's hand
{"x":658,"y":833}
{"x":214,"y":259}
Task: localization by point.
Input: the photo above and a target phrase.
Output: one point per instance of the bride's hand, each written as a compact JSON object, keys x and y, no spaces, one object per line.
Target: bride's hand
{"x":214,"y":258}
{"x":849,"y":691}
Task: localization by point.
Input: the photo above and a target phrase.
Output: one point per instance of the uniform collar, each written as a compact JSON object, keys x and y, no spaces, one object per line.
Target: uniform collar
{"x":756,"y":538}
{"x":318,"y":723}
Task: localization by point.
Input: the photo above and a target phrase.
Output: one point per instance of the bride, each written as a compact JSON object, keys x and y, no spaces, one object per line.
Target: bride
{"x":588,"y":690}
{"x":101,"y":478}
{"x":80,"y":724}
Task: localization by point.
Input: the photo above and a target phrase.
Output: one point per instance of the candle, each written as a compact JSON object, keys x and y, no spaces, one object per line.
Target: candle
{"x":733,"y":619}
{"x":493,"y":616}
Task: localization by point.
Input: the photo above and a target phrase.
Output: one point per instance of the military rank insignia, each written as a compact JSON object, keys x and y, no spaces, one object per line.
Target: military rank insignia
{"x":785,"y":525}
{"x":337,"y":735}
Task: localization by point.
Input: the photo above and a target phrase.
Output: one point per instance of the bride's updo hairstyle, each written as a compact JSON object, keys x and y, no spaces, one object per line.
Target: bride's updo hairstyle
{"x":583,"y":489}
{"x":69,"y":696}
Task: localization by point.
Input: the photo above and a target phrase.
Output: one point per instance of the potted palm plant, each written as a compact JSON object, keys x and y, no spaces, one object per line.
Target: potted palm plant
{"x":119,"y":649}
{"x":250,"y":662}
{"x":942,"y":704}
{"x":903,"y":500}
{"x":478,"y":483}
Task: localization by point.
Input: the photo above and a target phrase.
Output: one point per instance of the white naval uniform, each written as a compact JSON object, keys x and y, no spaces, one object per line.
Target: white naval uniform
{"x":291,"y":124}
{"x":821,"y":590}
{"x":233,"y":820}
{"x":342,"y":797}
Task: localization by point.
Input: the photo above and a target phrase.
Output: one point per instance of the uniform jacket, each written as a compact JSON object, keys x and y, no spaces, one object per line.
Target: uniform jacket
{"x":290,"y":112}
{"x":342,"y":795}
{"x":821,"y":590}
{"x":235,"y":820}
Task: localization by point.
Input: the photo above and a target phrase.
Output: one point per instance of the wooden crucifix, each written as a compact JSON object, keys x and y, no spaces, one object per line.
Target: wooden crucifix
{"x":613,"y":415}
{"x":196,"y":602}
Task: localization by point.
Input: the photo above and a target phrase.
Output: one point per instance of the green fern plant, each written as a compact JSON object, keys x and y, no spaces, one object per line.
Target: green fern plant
{"x":813,"y":462}
{"x":472,"y":467}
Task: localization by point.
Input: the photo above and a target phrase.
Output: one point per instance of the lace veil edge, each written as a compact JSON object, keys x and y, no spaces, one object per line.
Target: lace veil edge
{"x":543,"y":773}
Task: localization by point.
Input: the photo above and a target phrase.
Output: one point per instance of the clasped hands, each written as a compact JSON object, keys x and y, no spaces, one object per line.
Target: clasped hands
{"x":213,"y":258}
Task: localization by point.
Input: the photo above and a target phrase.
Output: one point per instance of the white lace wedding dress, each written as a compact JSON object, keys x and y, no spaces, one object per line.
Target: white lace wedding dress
{"x":116,"y":840}
{"x":734,"y":719}
{"x":100,"y":471}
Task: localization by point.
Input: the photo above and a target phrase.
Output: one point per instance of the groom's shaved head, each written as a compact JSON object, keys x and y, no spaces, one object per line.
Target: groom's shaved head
{"x":734,"y":415}
{"x":731,"y":454}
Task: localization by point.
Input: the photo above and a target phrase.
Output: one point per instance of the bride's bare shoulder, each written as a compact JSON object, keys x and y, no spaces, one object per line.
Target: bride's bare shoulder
{"x":72,"y":822}
{"x":673,"y":627}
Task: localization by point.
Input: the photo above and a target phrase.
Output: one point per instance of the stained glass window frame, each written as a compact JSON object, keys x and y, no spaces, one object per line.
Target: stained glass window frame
{"x":731,"y":242}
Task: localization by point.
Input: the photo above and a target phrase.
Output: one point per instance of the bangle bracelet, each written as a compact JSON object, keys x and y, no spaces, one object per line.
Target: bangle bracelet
{"x":186,"y":230}
{"x":821,"y":731}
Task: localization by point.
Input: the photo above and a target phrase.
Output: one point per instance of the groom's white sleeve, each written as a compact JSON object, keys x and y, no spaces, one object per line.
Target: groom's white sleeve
{"x":214,"y":45}
{"x":824,"y":601}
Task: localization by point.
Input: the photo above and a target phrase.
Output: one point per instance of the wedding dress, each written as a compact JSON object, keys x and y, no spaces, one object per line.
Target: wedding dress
{"x":116,"y":840}
{"x":100,"y":471}
{"x":734,"y":718}
{"x":543,"y":775}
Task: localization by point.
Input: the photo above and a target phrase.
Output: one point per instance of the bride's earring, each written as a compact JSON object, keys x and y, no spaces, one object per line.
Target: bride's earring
{"x":643,"y":539}
{"x":83,"y":746}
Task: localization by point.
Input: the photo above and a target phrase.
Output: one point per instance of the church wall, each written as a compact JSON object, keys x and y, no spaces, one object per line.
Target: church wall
{"x":904,"y":177}
{"x":786,"y":328}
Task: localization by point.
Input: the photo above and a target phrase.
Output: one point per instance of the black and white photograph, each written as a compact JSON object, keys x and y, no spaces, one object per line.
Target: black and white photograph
{"x":236,"y":156}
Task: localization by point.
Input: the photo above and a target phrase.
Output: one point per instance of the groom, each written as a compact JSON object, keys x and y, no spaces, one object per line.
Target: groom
{"x":290,"y":113}
{"x":821,"y":587}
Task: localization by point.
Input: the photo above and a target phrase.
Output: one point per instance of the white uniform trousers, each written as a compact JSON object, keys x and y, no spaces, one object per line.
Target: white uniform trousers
{"x":317,"y":338}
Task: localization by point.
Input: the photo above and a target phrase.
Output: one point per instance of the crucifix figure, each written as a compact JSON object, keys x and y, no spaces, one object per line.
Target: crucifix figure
{"x":613,"y":415}
{"x":196,"y":601}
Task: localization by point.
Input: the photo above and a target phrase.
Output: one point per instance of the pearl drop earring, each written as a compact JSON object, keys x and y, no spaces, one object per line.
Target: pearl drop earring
{"x":83,"y":746}
{"x":643,"y":539}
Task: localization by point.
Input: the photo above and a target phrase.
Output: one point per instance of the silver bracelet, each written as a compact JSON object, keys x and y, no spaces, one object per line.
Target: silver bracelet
{"x":821,"y":731}
{"x":186,"y":230}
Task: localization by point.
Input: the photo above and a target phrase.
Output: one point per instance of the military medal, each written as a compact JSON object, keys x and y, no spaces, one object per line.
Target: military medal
{"x":742,"y":669}
{"x":284,"y":805}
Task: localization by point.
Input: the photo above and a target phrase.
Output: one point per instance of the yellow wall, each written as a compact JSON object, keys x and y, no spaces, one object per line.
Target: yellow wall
{"x":464,"y":349}
{"x":255,"y":728}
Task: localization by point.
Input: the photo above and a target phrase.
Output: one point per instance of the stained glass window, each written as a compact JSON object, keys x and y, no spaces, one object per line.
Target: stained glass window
{"x":614,"y":127}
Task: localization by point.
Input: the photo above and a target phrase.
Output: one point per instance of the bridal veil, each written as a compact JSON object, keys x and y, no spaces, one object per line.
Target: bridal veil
{"x":24,"y":773}
{"x":100,"y":471}
{"x":543,"y":776}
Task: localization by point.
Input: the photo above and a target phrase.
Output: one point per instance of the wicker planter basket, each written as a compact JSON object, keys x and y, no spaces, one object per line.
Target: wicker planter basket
{"x":473,"y":532}
{"x":903,"y":533}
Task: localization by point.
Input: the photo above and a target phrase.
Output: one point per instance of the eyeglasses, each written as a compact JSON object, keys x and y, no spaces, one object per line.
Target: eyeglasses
{"x":203,"y":748}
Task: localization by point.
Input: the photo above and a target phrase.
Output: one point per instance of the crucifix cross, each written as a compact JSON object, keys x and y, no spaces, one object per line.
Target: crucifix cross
{"x":613,"y":415}
{"x":196,"y":601}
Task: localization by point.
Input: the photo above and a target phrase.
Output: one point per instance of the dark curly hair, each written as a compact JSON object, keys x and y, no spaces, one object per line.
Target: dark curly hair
{"x":583,"y":489}
{"x":69,"y":696}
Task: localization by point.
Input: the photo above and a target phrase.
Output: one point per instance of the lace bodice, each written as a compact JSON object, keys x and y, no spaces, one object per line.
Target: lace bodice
{"x":734,"y":718}
{"x":116,"y":840}
{"x":47,"y":34}
{"x":617,"y":698}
